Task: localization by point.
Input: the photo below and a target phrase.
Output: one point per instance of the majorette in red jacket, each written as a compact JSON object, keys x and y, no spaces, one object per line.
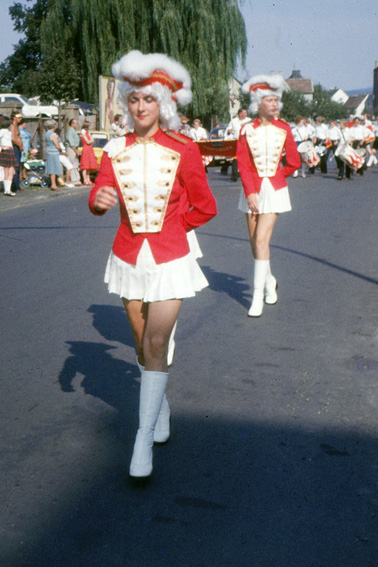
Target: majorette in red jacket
{"x":259,"y":153}
{"x":151,"y":176}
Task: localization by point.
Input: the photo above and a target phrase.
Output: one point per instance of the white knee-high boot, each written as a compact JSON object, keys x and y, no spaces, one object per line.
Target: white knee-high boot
{"x":270,"y":288}
{"x":163,"y":424}
{"x":259,"y":277}
{"x":152,"y":389}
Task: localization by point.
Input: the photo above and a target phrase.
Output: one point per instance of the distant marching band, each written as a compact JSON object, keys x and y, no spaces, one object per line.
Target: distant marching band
{"x":353,"y":143}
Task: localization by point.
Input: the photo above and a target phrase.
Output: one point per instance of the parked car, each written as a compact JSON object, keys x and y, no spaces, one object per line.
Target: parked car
{"x":85,"y":107}
{"x":218,"y":132}
{"x":30,"y":109}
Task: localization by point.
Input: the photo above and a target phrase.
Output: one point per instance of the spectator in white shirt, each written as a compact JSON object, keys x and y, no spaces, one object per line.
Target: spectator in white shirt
{"x":234,"y":127}
{"x":116,"y":126}
{"x":233,"y":131}
{"x":198,"y":133}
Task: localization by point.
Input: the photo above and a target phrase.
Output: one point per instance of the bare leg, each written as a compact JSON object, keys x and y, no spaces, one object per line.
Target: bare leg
{"x":260,"y":228}
{"x":8,"y":173}
{"x":8,"y":177}
{"x":136,"y":312}
{"x":252,"y":225}
{"x":53,"y":182}
{"x":161,"y":318}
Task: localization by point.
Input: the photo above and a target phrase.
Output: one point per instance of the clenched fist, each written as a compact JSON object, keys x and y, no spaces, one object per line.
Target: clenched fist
{"x":106,"y":197}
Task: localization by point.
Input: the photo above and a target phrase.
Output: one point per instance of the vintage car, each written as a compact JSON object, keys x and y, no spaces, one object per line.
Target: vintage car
{"x":30,"y":108}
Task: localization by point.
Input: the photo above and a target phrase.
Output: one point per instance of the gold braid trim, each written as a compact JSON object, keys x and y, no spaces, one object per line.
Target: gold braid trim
{"x":176,"y":137}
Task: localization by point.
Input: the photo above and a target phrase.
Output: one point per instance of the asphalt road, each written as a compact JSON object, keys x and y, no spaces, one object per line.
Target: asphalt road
{"x":273,"y":459}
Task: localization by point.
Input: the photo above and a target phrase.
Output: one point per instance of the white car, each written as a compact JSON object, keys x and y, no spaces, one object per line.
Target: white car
{"x":30,"y":109}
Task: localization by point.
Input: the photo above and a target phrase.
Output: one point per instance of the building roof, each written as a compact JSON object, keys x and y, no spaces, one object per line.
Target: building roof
{"x":355,"y":101}
{"x":301,"y":85}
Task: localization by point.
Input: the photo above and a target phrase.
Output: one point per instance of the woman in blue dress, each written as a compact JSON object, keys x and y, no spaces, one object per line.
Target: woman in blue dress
{"x":53,"y":165}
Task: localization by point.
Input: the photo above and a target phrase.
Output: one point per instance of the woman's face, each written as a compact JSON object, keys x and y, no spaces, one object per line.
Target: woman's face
{"x":268,"y":107}
{"x":144,"y":110}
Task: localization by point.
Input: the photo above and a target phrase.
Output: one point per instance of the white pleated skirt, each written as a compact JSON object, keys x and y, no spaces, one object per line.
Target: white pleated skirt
{"x":270,"y":200}
{"x":194,"y":244}
{"x":150,"y":282}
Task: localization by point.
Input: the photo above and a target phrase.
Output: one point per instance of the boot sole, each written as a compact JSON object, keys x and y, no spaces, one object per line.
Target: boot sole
{"x":167,"y":439}
{"x":162,"y":442}
{"x":139,"y":481}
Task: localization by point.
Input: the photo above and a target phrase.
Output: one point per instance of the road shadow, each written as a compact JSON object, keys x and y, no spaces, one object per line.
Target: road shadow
{"x":234,"y":286}
{"x":326,"y":263}
{"x":112,"y":324}
{"x":101,"y":375}
{"x":224,"y":492}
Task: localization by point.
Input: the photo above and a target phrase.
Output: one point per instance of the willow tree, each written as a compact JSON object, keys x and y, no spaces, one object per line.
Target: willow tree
{"x":207,"y":36}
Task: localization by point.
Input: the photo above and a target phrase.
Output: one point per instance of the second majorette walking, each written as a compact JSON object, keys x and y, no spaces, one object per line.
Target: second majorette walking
{"x":265,"y":193}
{"x":163,"y":194}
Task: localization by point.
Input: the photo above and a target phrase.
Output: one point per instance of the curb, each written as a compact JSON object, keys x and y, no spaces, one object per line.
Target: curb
{"x":32,"y":196}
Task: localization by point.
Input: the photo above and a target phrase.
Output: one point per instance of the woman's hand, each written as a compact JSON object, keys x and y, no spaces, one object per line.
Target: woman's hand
{"x":106,"y":197}
{"x":253,"y":202}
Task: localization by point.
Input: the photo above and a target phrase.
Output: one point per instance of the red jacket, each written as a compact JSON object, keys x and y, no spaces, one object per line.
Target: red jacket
{"x":283,"y":141}
{"x":190,"y":183}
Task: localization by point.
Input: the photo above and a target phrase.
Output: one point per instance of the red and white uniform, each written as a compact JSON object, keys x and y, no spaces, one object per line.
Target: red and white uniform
{"x":163,"y":194}
{"x":259,"y":153}
{"x":150,"y":176}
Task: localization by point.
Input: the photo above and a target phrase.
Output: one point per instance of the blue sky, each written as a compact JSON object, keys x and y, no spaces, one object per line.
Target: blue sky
{"x":333,"y":42}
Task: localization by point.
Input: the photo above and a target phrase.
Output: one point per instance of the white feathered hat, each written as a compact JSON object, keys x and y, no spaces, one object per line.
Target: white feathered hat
{"x":141,"y":70}
{"x":260,"y":86}
{"x":156,"y":74}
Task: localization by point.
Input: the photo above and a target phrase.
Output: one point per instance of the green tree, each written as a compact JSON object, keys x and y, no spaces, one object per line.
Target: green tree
{"x":323,"y":105}
{"x":17,"y":69}
{"x":294,"y":104}
{"x":57,"y":78}
{"x":207,"y":36}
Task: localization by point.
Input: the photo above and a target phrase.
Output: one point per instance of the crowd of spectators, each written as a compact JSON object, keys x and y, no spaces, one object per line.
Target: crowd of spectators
{"x":339,"y":140}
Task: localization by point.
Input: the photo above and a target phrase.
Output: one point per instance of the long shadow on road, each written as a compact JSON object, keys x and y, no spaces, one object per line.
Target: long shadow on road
{"x":327,"y":263}
{"x":224,"y":492}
